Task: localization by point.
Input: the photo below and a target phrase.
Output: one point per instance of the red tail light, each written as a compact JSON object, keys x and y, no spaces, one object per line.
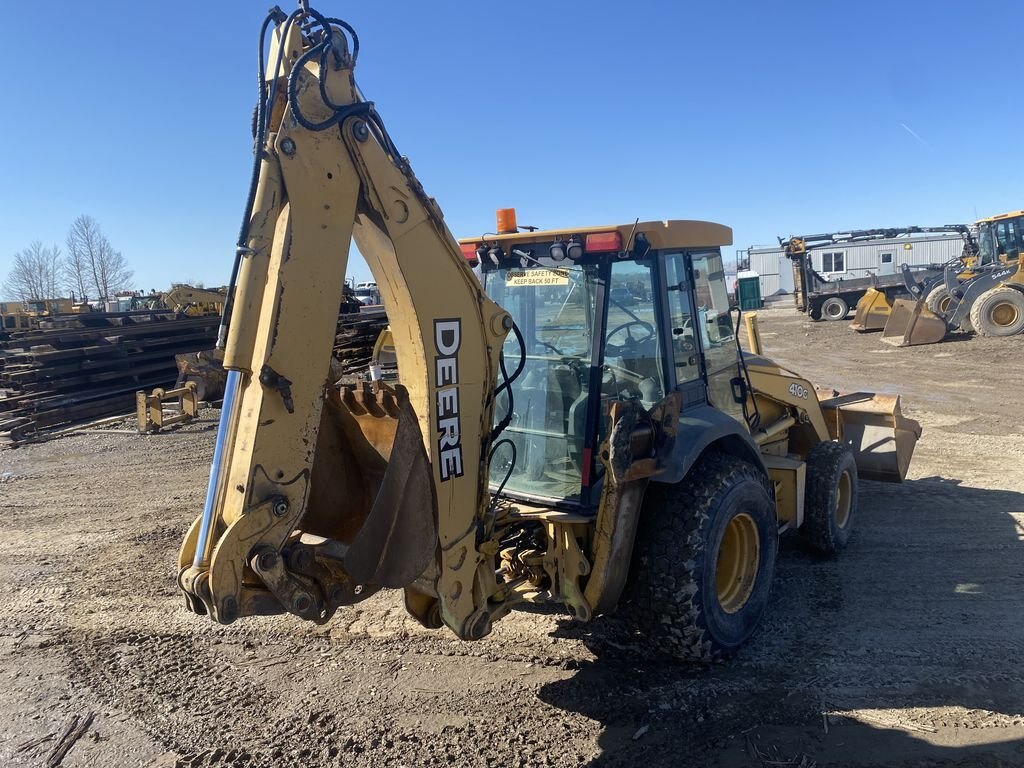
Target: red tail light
{"x":603,"y":241}
{"x":469,"y":251}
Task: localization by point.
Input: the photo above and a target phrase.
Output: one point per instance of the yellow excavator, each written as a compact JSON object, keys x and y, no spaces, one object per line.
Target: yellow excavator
{"x":986,"y":298}
{"x":193,"y":302}
{"x":576,"y":426}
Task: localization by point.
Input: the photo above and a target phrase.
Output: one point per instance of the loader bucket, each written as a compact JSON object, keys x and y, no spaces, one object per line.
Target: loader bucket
{"x":872,"y":311}
{"x":911,"y":323}
{"x":881,"y":437}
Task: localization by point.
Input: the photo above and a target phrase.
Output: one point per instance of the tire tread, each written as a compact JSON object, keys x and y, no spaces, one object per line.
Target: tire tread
{"x":978,"y":317}
{"x":824,"y":464}
{"x":663,"y":602}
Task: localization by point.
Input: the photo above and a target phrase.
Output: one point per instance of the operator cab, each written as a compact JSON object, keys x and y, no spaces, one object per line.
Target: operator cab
{"x":1001,"y":238}
{"x":628,"y":313}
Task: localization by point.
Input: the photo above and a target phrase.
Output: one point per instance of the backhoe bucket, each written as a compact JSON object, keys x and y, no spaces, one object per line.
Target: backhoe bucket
{"x":910,"y":323}
{"x":872,"y":311}
{"x":881,"y":437}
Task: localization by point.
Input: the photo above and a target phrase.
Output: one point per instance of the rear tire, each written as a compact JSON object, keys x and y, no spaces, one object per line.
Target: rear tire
{"x":830,"y":501}
{"x":999,"y":312}
{"x":703,"y":561}
{"x":835,"y":308}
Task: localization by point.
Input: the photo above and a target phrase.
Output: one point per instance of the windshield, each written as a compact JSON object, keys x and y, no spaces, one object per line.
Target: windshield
{"x":554,"y":311}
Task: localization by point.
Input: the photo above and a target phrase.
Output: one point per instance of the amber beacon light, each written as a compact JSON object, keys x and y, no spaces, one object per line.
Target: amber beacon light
{"x":507,"y":221}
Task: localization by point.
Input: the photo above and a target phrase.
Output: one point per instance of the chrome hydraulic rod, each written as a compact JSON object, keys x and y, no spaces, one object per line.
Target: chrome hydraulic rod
{"x":217,"y":474}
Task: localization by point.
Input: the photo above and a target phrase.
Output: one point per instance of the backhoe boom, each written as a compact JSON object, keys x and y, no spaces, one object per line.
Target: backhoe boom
{"x":313,"y":503}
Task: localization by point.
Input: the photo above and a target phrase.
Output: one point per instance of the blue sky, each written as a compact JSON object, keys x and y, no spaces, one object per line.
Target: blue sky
{"x":773,"y":118}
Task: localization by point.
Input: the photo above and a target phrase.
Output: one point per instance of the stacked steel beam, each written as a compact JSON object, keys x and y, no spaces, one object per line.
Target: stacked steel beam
{"x":357,"y":333}
{"x":90,"y":366}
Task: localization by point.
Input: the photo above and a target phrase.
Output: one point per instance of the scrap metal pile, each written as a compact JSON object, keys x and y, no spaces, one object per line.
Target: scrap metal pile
{"x":90,"y":366}
{"x":356,"y":335}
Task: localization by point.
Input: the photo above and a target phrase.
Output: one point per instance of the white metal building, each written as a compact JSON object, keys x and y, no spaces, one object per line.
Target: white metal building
{"x":848,"y":260}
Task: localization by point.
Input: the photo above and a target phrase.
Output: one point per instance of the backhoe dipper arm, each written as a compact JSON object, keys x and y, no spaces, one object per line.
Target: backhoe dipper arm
{"x":318,"y":498}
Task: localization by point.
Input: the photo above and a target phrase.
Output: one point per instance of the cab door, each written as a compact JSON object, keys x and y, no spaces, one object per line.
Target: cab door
{"x":715,"y":331}
{"x":686,"y":369}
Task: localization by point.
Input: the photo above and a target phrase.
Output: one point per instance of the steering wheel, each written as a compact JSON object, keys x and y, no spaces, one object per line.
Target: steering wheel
{"x":647,"y":328}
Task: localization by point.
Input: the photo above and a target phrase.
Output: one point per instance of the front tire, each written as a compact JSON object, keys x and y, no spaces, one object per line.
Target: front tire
{"x":703,"y":561}
{"x":830,"y":499}
{"x":999,"y":312}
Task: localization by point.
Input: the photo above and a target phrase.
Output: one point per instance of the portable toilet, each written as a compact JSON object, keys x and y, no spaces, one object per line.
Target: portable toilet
{"x":748,"y":290}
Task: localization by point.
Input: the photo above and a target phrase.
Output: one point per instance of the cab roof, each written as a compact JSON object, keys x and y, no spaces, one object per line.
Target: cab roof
{"x":675,"y":233}
{"x":997,"y":217}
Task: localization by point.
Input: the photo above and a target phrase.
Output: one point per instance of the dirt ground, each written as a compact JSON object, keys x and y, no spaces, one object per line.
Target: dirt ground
{"x":904,"y":651}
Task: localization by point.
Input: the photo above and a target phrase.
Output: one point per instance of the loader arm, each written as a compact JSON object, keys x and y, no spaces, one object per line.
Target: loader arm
{"x":318,"y":497}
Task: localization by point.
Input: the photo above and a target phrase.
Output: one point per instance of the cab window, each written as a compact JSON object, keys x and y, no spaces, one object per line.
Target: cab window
{"x":713,"y":321}
{"x":685,"y":353}
{"x":714,"y":326}
{"x":632,"y":357}
{"x":1009,"y":236}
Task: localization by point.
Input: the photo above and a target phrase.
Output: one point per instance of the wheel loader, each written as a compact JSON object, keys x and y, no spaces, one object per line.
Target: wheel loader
{"x":872,"y":295}
{"x":577,"y":426}
{"x":987,"y":298}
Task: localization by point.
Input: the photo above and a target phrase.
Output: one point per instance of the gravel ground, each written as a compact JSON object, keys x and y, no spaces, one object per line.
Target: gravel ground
{"x":903,"y":651}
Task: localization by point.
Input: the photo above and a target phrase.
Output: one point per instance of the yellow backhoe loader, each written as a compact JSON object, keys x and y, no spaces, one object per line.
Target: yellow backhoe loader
{"x":577,"y":427}
{"x":986,"y":298}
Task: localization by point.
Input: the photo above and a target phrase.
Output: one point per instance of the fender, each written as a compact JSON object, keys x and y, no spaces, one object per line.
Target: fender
{"x":973,"y":289}
{"x":700,"y":429}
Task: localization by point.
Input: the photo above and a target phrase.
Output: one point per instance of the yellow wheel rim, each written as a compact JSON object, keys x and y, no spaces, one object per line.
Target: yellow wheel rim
{"x":943,"y":303}
{"x":739,"y":554}
{"x":1005,"y":314}
{"x":844,"y":499}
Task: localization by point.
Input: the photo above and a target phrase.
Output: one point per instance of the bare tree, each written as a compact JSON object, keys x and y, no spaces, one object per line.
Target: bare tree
{"x":92,"y":263}
{"x":76,"y":266}
{"x":37,"y":273}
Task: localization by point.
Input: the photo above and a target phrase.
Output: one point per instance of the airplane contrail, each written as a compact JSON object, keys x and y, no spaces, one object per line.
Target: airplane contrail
{"x":910,"y":130}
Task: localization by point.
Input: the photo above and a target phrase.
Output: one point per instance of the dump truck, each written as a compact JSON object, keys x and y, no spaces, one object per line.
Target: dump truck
{"x":548,"y":442}
{"x":986,"y":298}
{"x":822,"y":298}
